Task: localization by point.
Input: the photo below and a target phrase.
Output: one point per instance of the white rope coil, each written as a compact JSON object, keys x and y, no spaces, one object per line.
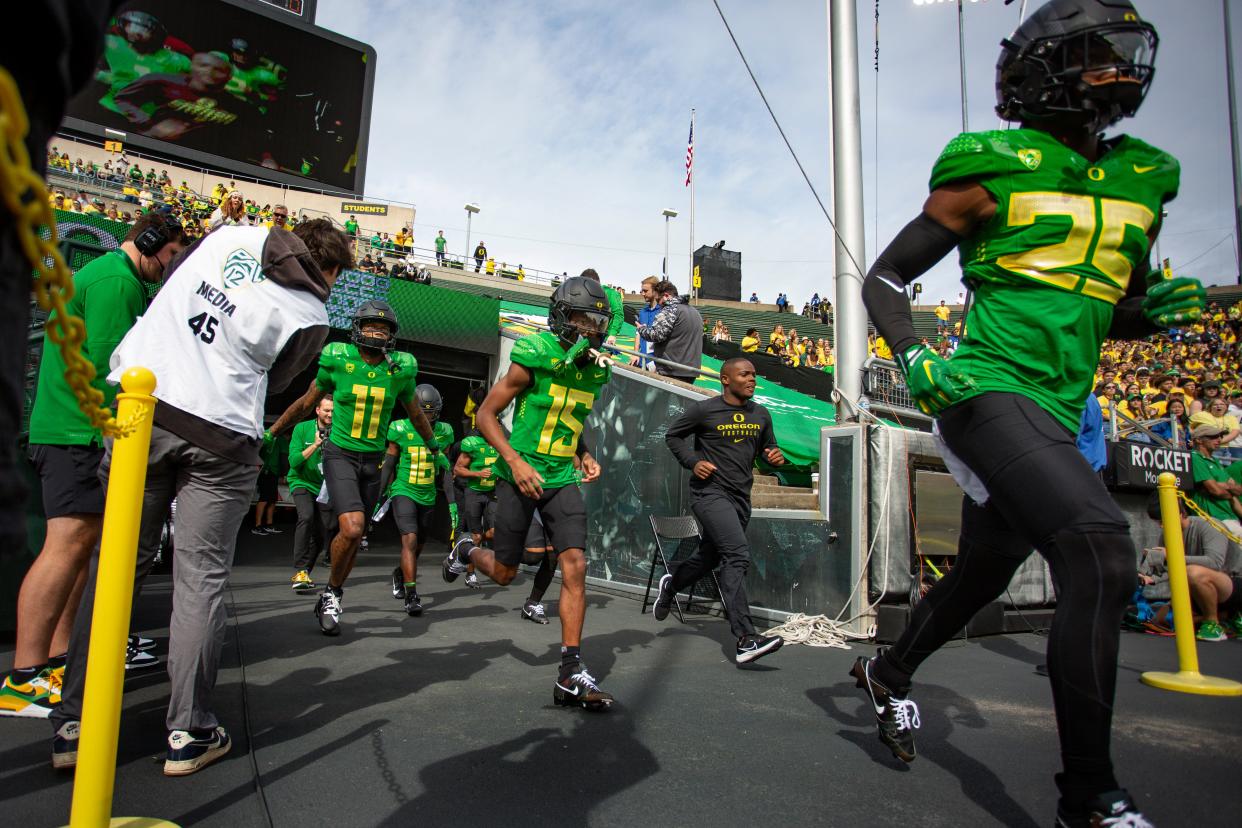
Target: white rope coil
{"x":816,"y":631}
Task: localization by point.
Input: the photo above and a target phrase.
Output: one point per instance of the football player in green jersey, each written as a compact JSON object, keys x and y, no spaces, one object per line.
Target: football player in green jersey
{"x":1053,"y":223}
{"x":554,"y":379}
{"x":366,"y":378}
{"x":411,"y":470}
{"x":474,"y":465}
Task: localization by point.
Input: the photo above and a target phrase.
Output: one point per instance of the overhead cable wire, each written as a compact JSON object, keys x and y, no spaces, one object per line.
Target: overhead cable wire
{"x":844,"y":246}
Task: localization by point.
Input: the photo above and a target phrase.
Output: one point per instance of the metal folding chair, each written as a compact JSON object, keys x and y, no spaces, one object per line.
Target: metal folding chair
{"x":676,"y":538}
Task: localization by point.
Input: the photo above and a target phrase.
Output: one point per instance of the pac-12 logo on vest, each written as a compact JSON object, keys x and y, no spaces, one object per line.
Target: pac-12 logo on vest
{"x":240,"y":266}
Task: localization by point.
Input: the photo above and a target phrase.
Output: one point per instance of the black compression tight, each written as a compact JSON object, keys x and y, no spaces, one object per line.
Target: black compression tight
{"x":543,"y":578}
{"x":1043,"y":494}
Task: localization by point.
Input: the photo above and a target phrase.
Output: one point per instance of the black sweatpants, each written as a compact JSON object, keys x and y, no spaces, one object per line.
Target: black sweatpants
{"x":315,"y":530}
{"x":722,"y":521}
{"x":1042,"y":494}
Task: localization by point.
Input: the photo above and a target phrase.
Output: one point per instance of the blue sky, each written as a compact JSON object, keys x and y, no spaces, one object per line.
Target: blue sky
{"x":567,"y":123}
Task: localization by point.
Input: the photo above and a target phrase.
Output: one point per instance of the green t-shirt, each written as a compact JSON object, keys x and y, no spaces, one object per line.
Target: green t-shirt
{"x":550,"y":412}
{"x":109,"y":297}
{"x":482,"y":455}
{"x":1207,"y":468}
{"x":363,"y":395}
{"x":305,"y":473}
{"x":1050,"y":266}
{"x":416,"y":466}
{"x":441,"y":242}
{"x":351,"y":227}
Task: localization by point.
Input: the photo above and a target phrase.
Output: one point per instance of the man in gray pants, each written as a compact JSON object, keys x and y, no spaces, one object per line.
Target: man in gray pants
{"x":244,"y":315}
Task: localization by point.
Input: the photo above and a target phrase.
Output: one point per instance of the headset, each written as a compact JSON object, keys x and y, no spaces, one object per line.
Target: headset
{"x":152,"y":240}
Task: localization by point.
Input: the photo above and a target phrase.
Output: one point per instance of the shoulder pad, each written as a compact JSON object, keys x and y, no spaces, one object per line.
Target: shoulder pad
{"x":472,"y":444}
{"x":334,"y":349}
{"x":537,"y":351}
{"x":405,"y":360}
{"x":973,"y":155}
{"x":443,"y":433}
{"x":1153,"y":165}
{"x":396,"y":428}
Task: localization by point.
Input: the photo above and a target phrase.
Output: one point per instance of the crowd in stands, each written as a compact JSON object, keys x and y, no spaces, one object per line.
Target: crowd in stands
{"x":139,"y":192}
{"x":1177,"y":381}
{"x":794,"y":350}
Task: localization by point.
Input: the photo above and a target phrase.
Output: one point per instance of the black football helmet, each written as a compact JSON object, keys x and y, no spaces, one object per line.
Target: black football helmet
{"x":1085,"y":60}
{"x":429,"y":400}
{"x":374,"y":310}
{"x":579,"y":308}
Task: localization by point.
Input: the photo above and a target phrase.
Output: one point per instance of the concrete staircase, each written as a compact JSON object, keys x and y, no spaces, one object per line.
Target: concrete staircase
{"x":768,"y":493}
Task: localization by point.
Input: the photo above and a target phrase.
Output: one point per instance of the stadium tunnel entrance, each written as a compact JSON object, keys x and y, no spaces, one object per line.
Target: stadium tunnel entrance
{"x":454,"y":373}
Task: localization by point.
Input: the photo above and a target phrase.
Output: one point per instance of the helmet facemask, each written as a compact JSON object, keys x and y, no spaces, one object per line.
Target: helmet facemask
{"x":384,"y":342}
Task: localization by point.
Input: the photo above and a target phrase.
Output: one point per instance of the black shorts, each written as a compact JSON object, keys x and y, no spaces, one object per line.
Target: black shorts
{"x":412,"y":517}
{"x":563,"y":513}
{"x":473,"y":507}
{"x":70,"y":476}
{"x":1234,"y":602}
{"x":267,"y":488}
{"x":352,"y":478}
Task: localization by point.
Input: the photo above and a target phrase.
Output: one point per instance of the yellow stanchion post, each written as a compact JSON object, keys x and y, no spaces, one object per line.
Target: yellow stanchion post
{"x":114,"y":590}
{"x":1187,"y":679}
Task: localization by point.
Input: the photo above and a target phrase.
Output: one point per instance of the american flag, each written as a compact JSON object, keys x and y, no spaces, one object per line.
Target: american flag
{"x":690,"y":155}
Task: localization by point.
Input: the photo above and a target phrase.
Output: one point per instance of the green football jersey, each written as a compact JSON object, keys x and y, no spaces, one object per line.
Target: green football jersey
{"x":1050,"y":266}
{"x":482,"y":455}
{"x":363,"y":395}
{"x":550,"y":412}
{"x":126,"y":65}
{"x":416,"y":466}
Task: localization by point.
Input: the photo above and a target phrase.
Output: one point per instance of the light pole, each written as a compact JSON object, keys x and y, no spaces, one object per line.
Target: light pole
{"x":668,"y":213}
{"x":1233,"y":142}
{"x":471,"y":209}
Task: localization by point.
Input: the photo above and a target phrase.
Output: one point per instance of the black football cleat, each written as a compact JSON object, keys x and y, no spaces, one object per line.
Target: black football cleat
{"x":578,"y":688}
{"x":896,"y":717}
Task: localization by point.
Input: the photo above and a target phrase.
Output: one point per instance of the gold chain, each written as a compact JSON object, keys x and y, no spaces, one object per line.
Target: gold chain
{"x":1213,"y":522}
{"x":26,"y":198}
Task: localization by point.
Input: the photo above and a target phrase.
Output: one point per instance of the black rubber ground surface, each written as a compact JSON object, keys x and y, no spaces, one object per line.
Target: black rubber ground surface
{"x":448,"y":720}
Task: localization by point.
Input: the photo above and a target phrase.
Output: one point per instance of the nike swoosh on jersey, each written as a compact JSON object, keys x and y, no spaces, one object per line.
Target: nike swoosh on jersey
{"x":739,"y":439}
{"x":1141,"y":170}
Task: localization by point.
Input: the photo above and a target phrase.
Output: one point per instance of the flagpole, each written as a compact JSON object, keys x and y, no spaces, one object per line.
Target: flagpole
{"x":694,"y":293}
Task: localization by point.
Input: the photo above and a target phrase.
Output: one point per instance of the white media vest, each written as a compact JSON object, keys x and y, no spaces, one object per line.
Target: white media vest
{"x":215,"y":329}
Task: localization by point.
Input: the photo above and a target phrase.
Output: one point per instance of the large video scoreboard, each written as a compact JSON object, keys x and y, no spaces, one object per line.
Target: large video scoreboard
{"x":239,"y":87}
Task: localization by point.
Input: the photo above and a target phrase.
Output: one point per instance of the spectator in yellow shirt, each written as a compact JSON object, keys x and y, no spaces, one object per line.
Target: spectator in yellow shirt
{"x":942,"y":318}
{"x":750,"y":342}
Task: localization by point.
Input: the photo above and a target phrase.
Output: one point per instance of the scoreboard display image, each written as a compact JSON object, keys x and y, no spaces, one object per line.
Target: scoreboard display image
{"x":240,"y":87}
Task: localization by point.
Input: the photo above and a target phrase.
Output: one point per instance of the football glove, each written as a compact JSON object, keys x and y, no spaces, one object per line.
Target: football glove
{"x":1173,"y":301}
{"x":441,"y":461}
{"x":934,"y":382}
{"x":453,"y":516}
